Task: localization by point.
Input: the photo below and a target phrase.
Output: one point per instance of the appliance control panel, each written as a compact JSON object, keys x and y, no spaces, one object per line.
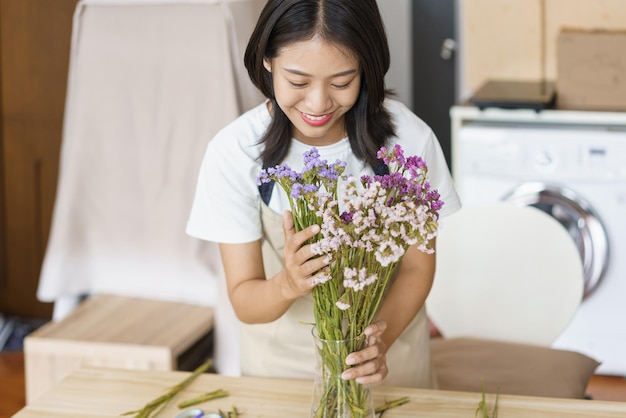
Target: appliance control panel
{"x":569,"y":145}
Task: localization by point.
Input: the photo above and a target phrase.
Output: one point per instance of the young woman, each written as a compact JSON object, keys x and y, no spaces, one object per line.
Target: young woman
{"x":321,"y":64}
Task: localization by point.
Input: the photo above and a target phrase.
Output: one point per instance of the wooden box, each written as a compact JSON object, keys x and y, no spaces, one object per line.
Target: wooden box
{"x":117,"y":332}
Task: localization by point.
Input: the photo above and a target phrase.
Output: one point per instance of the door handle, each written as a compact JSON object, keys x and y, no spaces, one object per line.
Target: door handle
{"x":447,"y":49}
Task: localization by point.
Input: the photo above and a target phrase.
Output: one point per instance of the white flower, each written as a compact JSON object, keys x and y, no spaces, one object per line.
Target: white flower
{"x":342,"y":305}
{"x":366,"y":227}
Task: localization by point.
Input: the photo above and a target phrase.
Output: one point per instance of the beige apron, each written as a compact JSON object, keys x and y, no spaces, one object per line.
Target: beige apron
{"x":284,"y":348}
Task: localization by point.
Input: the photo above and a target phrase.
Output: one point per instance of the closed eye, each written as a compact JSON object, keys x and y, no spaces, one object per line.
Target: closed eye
{"x":297,"y":85}
{"x":341,"y":86}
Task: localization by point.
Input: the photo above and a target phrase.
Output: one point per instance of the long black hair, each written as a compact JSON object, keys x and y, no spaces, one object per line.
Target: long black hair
{"x":355,"y":25}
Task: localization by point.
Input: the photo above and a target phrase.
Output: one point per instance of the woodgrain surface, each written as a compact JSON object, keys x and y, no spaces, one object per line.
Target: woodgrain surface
{"x":607,"y":388}
{"x":113,"y":331}
{"x":93,"y":392}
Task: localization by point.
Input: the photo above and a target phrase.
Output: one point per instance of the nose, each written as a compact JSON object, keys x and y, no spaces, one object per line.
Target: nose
{"x":318,"y":99}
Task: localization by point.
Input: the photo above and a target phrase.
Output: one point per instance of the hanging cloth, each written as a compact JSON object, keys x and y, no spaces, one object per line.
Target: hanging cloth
{"x":150,"y":83}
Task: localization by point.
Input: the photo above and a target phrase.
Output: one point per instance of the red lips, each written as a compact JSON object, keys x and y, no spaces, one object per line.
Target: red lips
{"x":316,"y":120}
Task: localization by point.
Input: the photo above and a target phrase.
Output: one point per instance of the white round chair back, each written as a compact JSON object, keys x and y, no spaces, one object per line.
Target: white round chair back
{"x":505,"y":273}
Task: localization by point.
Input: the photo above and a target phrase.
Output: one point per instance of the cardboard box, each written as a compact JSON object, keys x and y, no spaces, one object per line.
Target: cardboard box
{"x":591,"y":70}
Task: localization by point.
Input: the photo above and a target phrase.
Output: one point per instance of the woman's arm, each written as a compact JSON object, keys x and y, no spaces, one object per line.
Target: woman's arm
{"x":405,"y":298}
{"x":257,"y":300}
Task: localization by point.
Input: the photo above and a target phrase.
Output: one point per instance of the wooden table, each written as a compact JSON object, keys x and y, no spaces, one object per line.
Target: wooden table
{"x":118,"y":332}
{"x":98,"y":393}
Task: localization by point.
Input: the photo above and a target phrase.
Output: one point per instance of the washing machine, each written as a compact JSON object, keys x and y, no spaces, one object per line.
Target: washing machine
{"x":577,"y":174}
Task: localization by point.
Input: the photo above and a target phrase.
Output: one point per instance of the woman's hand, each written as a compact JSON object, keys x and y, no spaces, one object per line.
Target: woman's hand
{"x":300,"y":262}
{"x":371,"y":362}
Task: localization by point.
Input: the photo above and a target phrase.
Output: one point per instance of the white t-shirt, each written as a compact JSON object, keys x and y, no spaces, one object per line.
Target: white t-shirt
{"x":226,"y":208}
{"x":227,"y":205}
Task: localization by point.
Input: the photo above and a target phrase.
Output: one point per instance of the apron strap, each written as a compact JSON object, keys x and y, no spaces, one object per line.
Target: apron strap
{"x":381,"y":169}
{"x":265,"y":190}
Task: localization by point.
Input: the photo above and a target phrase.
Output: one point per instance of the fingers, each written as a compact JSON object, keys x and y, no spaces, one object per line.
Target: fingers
{"x":369,"y":353}
{"x":370,"y":362}
{"x":288,"y":225}
{"x":375,"y":329}
{"x":300,"y":262}
{"x":372,"y":370}
{"x":370,"y":373}
{"x":295,"y":240}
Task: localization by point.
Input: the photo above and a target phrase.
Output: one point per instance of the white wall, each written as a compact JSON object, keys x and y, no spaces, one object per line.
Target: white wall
{"x":397,"y":17}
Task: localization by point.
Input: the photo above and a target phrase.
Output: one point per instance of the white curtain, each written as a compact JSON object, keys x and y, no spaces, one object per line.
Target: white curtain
{"x":150,"y":83}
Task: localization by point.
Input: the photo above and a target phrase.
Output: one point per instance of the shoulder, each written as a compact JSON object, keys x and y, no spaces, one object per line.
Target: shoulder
{"x":411,"y":131}
{"x":405,"y":120}
{"x":231,"y":161}
{"x":242,"y":135}
{"x":226,"y":205}
{"x":417,"y":138}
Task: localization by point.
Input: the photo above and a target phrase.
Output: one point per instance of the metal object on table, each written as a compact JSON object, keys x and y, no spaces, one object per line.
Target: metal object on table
{"x":192,"y":413}
{"x":198,"y":413}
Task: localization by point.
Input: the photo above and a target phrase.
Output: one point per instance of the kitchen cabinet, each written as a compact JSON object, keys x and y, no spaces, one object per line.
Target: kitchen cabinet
{"x":34,"y":56}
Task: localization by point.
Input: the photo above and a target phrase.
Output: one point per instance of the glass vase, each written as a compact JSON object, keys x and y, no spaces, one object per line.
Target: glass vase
{"x":334,"y":397}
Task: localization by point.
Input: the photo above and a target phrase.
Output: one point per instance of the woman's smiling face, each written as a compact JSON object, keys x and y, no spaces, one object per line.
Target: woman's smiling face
{"x":315,"y":84}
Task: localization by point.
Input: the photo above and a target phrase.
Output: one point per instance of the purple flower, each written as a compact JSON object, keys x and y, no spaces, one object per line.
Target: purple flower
{"x":283,"y":172}
{"x":296,"y":191}
{"x":415,"y":162}
{"x":311,"y":155}
{"x":346,"y":217}
{"x":381,"y":154}
{"x":395,"y":156}
{"x":365,"y":230}
{"x":263,"y":177}
{"x":331,"y":173}
{"x":312,"y":160}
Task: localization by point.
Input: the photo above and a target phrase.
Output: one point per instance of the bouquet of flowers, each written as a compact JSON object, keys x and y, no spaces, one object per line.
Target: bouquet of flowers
{"x":365,"y":231}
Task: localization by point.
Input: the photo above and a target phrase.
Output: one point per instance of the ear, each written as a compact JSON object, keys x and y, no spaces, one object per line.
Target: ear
{"x":267,"y":64}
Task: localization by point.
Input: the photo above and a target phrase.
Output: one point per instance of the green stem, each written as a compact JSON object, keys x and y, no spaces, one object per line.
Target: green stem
{"x":154,"y":407}
{"x":216,"y":394}
{"x":392,"y":404}
{"x":233,"y":412}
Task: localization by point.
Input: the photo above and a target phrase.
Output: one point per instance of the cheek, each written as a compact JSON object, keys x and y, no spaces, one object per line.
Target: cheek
{"x":354,"y":97}
{"x":348,"y":98}
{"x":351,"y":95}
{"x":285,"y":94}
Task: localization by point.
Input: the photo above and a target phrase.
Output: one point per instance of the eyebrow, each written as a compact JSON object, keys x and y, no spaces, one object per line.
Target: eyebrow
{"x":302,"y":73}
